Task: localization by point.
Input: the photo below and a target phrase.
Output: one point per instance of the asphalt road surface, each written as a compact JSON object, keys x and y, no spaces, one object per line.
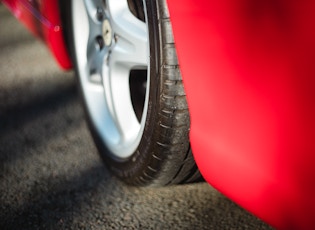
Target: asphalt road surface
{"x":51,"y":176}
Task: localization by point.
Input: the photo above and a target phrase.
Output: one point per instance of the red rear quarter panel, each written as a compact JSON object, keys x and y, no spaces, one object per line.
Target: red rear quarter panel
{"x":42,"y":18}
{"x":249,"y":73}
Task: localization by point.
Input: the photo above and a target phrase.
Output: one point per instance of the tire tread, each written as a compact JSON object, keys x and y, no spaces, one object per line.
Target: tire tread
{"x":179,"y":166}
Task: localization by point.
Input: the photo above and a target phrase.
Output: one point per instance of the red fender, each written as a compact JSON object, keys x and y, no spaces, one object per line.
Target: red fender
{"x":249,"y":73}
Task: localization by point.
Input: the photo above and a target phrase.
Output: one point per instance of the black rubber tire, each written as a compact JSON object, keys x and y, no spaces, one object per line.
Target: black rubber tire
{"x":163,"y":156}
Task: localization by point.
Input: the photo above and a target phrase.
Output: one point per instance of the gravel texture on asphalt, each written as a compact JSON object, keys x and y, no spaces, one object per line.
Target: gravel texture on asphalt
{"x":51,"y":176}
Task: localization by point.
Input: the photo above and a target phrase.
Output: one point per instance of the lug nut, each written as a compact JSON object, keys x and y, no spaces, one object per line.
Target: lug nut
{"x":100,"y":14}
{"x":100,"y":42}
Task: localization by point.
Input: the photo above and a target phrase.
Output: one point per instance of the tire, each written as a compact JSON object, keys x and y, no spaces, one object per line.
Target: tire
{"x":128,"y":73}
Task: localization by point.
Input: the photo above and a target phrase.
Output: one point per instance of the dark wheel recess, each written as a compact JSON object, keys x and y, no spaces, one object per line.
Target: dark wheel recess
{"x":128,"y":73}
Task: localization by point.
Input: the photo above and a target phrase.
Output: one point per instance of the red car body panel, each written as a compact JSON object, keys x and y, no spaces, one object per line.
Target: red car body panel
{"x":43,"y":20}
{"x":249,"y":73}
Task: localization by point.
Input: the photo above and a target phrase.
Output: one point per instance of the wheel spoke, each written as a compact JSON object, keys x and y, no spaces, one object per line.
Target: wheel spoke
{"x":131,"y":47}
{"x":96,"y":59}
{"x":95,"y":44}
{"x":119,"y":100}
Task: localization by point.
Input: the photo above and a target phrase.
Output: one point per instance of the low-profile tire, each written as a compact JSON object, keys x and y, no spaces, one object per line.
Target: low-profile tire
{"x":125,"y":59}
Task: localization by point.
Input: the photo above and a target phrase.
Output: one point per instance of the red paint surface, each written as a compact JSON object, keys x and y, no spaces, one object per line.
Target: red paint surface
{"x":42,"y":19}
{"x":249,"y":73}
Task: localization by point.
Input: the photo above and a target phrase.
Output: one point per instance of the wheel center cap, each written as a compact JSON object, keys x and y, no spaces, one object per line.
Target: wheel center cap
{"x":107,"y":33}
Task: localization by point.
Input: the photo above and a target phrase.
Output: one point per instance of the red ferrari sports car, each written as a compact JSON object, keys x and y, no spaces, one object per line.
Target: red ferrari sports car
{"x":246,"y":67}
